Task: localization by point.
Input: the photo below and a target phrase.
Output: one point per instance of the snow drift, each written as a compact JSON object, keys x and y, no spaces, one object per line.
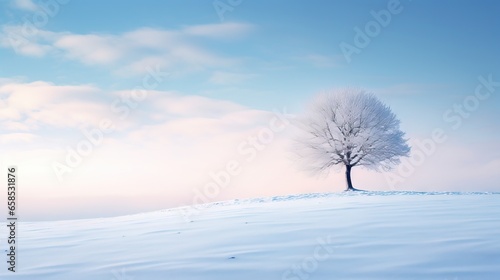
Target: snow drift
{"x":358,"y":235}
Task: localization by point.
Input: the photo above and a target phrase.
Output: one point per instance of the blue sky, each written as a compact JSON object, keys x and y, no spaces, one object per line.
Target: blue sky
{"x":223,"y":77}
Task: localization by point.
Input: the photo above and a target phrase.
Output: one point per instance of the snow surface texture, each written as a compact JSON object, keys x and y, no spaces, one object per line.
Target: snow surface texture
{"x":358,"y":235}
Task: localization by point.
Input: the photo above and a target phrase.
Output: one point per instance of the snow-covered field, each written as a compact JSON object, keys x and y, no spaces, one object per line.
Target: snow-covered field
{"x":318,"y":236}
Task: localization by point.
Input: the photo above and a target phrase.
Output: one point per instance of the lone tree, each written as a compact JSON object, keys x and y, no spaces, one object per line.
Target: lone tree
{"x":350,"y":127}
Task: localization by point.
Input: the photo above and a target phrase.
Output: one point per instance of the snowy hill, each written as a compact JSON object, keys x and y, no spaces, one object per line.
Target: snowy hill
{"x":381,"y":235}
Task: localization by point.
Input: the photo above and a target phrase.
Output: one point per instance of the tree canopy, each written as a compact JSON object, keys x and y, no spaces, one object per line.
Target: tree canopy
{"x":350,"y":127}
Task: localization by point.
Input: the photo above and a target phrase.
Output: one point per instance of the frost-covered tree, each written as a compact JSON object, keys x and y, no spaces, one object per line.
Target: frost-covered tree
{"x":350,"y":127}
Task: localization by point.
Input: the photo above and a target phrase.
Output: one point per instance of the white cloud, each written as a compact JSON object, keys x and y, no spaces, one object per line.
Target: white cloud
{"x":16,"y":126}
{"x":195,"y":105}
{"x":131,"y":51}
{"x":17,"y":138}
{"x":26,"y":40}
{"x":48,"y":104}
{"x":141,"y":65}
{"x":31,"y":107}
{"x":152,"y":38}
{"x":92,"y":49}
{"x":26,"y":5}
{"x":219,"y":30}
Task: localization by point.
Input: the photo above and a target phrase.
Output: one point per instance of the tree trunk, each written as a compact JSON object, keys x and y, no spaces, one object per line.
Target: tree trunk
{"x":348,"y":178}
